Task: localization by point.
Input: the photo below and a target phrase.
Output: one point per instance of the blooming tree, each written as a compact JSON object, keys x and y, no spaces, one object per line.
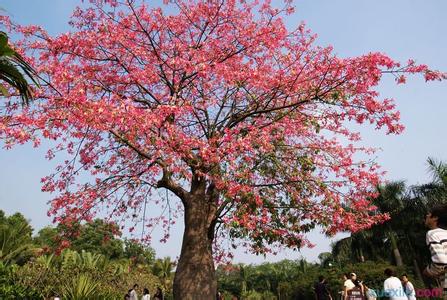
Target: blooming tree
{"x":215,"y":102}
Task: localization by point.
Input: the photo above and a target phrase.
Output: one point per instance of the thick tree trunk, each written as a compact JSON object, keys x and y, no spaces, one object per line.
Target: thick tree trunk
{"x":195,"y":277}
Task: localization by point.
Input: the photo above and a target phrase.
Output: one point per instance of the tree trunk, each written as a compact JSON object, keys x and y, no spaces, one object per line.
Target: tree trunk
{"x":417,"y":270}
{"x":195,"y":277}
{"x":396,"y":251}
{"x":361,"y":256}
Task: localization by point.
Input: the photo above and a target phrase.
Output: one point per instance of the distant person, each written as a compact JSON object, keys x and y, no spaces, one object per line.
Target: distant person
{"x":348,"y":284}
{"x":321,"y":289}
{"x":356,"y":293}
{"x":436,"y":239}
{"x":408,"y":287}
{"x":219,"y":296}
{"x":370,"y":294}
{"x":342,"y":292}
{"x":392,"y":287}
{"x":133,"y":292}
{"x":146,"y":295}
{"x":158,"y":295}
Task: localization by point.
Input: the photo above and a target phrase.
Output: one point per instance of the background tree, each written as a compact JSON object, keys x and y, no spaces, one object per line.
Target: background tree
{"x":434,"y":192}
{"x":390,"y":200}
{"x":14,"y":70}
{"x":15,"y":239}
{"x":220,"y":105}
{"x":138,"y":253}
{"x":96,"y":237}
{"x":48,"y":238}
{"x":162,"y":268}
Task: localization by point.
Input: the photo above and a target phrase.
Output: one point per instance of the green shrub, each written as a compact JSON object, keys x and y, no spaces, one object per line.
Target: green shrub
{"x":10,"y":290}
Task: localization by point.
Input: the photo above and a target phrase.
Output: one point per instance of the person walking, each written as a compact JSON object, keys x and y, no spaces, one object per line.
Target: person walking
{"x":436,"y":239}
{"x":408,"y":287}
{"x":392,"y":286}
{"x":321,"y":289}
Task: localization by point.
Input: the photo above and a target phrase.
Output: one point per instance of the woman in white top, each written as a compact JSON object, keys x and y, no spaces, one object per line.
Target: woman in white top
{"x":408,"y":287}
{"x":146,"y":295}
{"x":392,"y":287}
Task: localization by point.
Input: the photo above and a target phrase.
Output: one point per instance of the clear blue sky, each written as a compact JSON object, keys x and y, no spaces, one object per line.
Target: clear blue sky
{"x":401,"y":28}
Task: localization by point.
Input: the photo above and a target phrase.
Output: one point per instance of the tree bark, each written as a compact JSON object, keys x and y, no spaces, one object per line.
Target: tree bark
{"x":195,"y":277}
{"x":396,"y":251}
{"x":417,"y":270}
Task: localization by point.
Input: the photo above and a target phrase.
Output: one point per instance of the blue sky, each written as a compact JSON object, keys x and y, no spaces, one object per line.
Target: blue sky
{"x":401,"y":28}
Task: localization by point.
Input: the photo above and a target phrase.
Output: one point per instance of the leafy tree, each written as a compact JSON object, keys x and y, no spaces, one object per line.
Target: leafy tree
{"x":47,"y":238}
{"x":376,"y":242}
{"x":13,"y":69}
{"x":390,"y":200}
{"x":217,"y":103}
{"x":138,"y":252}
{"x":434,"y":192}
{"x":96,"y":237}
{"x":325,"y":258}
{"x":162,"y":268}
{"x":15,"y":239}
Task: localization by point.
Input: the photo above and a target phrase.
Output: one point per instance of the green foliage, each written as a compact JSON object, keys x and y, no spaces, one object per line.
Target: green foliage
{"x":74,"y":275}
{"x":162,"y":268}
{"x":9,"y":289}
{"x":284,"y":280}
{"x":81,"y":288}
{"x":13,"y":69}
{"x":138,"y":253}
{"x":47,"y":238}
{"x":15,"y":239}
{"x":254,"y":295}
{"x":98,"y":237}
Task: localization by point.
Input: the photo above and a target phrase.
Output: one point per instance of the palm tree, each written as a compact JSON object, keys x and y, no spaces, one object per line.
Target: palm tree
{"x":13,"y":69}
{"x":372,"y":243}
{"x":434,"y":192}
{"x":163,"y":268}
{"x":391,"y":201}
{"x":15,"y":242}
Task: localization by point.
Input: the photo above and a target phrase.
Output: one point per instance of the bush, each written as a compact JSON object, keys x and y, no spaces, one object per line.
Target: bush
{"x":11,"y":290}
{"x":73,"y":272}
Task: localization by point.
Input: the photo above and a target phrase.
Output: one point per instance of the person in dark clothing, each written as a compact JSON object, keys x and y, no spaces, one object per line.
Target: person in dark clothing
{"x":321,"y":289}
{"x":158,"y":295}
